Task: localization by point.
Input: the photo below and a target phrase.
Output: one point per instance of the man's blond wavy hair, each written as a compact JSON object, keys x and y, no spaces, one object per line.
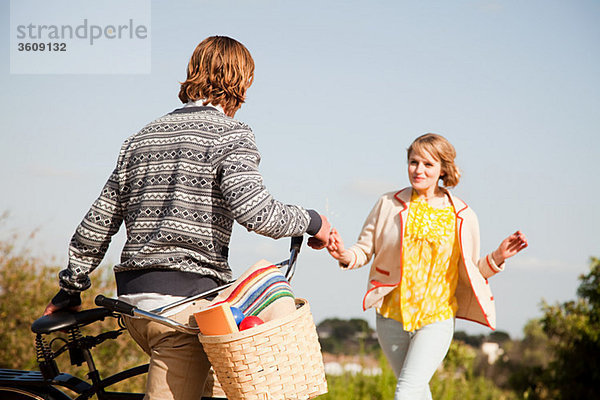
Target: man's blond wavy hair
{"x":220,"y":71}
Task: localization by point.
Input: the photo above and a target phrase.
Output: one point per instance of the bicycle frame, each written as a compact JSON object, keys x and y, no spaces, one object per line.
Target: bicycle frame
{"x":45,"y":383}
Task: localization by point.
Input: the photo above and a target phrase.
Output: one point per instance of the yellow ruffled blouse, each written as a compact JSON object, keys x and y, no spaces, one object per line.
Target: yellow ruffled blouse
{"x":430,"y":256}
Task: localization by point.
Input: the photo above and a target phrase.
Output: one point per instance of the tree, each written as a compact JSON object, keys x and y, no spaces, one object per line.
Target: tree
{"x":498,"y":337}
{"x":574,"y":332}
{"x":471,"y":340}
{"x":523,"y":368}
{"x":350,"y":336}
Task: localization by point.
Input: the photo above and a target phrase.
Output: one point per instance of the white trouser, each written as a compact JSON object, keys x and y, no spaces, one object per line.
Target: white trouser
{"x":414,"y":356}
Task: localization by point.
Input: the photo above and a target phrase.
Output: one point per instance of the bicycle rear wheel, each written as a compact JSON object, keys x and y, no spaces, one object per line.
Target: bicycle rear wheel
{"x":27,"y":393}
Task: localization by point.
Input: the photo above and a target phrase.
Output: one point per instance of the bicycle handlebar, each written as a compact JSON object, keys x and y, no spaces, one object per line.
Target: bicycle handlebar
{"x":296,"y":243}
{"x":124,"y":308}
{"x":114,"y":305}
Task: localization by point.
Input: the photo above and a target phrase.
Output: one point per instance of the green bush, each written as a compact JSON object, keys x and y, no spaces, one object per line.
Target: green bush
{"x":573,"y":329}
{"x":26,"y":286}
{"x":362,"y":387}
{"x":456,"y":380}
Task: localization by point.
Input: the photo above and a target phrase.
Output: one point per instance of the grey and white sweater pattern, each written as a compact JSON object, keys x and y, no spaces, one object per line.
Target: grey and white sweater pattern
{"x":178,"y":186}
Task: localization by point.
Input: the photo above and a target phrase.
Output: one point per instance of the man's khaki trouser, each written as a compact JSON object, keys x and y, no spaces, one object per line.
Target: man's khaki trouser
{"x":178,"y":365}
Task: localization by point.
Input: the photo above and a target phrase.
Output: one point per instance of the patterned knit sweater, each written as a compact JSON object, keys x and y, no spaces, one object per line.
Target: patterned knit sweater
{"x":178,"y":185}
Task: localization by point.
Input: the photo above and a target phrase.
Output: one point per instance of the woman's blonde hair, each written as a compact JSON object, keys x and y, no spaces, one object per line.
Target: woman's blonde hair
{"x":440,"y":149}
{"x":220,"y":71}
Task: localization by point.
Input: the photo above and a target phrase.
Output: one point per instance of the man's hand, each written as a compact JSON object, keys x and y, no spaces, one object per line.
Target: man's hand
{"x":321,"y":239}
{"x":63,"y":301}
{"x":50,"y":309}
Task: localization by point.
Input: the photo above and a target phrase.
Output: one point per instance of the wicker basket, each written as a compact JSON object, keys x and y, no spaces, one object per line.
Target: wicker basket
{"x":280,"y":359}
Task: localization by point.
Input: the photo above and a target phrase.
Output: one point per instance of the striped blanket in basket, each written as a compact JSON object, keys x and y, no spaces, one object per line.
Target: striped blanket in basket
{"x":262,"y":291}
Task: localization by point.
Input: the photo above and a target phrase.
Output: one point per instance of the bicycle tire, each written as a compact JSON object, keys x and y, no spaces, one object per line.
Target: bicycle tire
{"x":28,"y":393}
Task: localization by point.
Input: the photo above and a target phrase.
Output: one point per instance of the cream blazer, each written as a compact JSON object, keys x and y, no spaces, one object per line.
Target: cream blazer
{"x":381,"y":242}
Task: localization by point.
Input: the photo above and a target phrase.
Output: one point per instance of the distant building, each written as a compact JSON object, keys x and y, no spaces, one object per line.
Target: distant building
{"x":492,"y":350}
{"x":340,"y":364}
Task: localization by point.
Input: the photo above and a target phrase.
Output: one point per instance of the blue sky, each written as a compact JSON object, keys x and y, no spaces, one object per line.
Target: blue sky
{"x":341,"y":89}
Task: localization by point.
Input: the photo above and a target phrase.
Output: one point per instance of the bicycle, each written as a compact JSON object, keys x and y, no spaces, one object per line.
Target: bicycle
{"x":46,"y":383}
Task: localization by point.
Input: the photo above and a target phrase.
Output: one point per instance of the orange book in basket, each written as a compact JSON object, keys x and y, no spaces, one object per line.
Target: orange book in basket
{"x":216,"y":320}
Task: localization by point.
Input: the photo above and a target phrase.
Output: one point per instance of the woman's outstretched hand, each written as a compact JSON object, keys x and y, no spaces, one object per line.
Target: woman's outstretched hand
{"x":336,"y":248}
{"x":509,"y":247}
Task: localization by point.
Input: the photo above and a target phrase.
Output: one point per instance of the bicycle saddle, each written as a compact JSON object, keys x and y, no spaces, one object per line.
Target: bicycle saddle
{"x":61,"y":320}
